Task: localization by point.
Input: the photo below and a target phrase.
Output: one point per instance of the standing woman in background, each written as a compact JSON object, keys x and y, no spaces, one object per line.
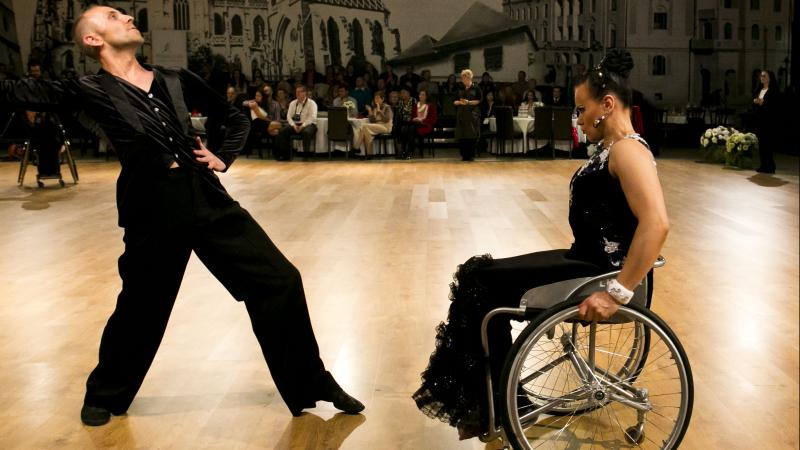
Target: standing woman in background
{"x":765,"y":110}
{"x":468,"y":116}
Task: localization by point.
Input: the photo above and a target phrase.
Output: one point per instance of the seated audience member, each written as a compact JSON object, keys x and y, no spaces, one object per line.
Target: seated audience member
{"x":487,"y":111}
{"x":282,"y":97}
{"x":259,"y":121}
{"x":506,"y":97}
{"x":410,"y":80}
{"x":487,"y":84}
{"x":557,"y":99}
{"x":406,"y":129}
{"x":256,"y":82}
{"x":273,"y":109}
{"x":430,"y":87}
{"x":528,"y":105}
{"x":344,"y":99}
{"x":451,"y":85}
{"x":424,"y":118}
{"x":310,"y":77}
{"x":363,"y":95}
{"x":302,"y":120}
{"x":521,"y":85}
{"x":233,"y":97}
{"x":391,"y":81}
{"x":487,"y":106}
{"x":393,"y":100}
{"x":380,"y":118}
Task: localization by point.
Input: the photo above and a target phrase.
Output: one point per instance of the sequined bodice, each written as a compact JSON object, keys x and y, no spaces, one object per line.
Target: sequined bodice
{"x":601,"y":220}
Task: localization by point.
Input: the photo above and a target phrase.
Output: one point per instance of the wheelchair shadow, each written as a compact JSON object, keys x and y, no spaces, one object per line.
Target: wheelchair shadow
{"x":41,"y":198}
{"x":312,"y":431}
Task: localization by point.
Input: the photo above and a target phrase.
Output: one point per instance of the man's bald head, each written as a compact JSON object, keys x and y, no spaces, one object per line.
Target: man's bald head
{"x":85,"y":25}
{"x":103,"y":26}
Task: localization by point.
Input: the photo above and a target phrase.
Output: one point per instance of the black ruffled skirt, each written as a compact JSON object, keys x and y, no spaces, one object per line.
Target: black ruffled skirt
{"x":453,"y":386}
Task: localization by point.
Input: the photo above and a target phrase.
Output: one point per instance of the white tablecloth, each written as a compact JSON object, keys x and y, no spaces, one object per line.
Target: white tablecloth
{"x":523,"y":124}
{"x":322,"y":137}
{"x":199,"y":123}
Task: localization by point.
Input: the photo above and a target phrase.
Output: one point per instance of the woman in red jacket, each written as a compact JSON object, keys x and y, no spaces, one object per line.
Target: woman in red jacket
{"x":424,"y":115}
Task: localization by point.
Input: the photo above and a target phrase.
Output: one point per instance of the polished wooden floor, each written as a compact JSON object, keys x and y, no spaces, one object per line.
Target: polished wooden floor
{"x":377,"y":243}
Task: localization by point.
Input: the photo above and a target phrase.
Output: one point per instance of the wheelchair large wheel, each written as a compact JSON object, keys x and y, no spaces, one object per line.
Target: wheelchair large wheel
{"x":632,"y":344}
{"x":568,"y":384}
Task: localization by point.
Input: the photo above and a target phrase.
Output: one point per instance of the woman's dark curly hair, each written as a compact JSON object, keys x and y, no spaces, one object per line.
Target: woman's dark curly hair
{"x":610,"y":77}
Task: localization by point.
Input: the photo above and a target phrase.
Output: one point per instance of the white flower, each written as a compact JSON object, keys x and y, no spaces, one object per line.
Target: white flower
{"x":714,"y":139}
{"x":705,"y":142}
{"x":708,"y":133}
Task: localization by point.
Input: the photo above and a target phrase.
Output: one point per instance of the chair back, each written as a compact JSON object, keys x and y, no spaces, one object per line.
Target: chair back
{"x":504,"y":117}
{"x":338,"y":126}
{"x":448,"y":108}
{"x":562,"y":124}
{"x":543,"y":123}
{"x":696,"y":116}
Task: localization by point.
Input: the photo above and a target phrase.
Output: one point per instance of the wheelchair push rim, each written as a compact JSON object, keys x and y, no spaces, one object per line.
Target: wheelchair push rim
{"x":589,"y":388}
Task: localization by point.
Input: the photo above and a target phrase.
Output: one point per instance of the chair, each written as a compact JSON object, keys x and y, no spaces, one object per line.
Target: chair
{"x":504,"y":120}
{"x":543,"y":126}
{"x":721,"y":116}
{"x":562,"y":128}
{"x":383,"y":140}
{"x":563,"y":377}
{"x":339,"y":129}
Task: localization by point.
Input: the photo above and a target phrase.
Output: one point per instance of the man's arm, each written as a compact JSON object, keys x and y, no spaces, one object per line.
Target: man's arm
{"x":311,"y":119}
{"x":39,"y":95}
{"x":199,"y":95}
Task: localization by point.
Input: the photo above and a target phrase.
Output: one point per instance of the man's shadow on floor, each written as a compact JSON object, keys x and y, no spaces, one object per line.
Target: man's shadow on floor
{"x":312,"y":431}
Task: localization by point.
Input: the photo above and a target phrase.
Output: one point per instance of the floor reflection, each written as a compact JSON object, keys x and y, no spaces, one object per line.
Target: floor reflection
{"x":312,"y":431}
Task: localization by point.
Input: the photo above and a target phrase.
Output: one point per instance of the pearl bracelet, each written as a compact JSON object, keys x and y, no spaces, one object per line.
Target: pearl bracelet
{"x":618,"y":292}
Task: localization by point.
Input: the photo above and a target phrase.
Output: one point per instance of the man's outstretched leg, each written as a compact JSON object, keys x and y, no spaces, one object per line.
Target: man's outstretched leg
{"x":151,"y":269}
{"x":240,"y":254}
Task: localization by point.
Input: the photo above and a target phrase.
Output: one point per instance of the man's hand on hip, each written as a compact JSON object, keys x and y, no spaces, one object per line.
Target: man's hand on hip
{"x":204,"y":155}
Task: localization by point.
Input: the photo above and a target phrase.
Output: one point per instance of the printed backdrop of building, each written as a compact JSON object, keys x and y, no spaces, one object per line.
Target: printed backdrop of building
{"x":684,"y":51}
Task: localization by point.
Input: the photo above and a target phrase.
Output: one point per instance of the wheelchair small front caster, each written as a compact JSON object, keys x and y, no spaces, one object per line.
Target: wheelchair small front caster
{"x":635,"y":435}
{"x":39,"y":183}
{"x":61,"y":183}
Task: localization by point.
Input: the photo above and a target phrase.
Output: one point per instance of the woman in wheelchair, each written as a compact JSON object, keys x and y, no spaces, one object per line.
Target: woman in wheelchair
{"x":619,"y":221}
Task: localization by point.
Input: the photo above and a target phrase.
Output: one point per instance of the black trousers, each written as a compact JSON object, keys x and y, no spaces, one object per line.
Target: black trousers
{"x":507,"y":279}
{"x":284,"y":141}
{"x":238,"y":252}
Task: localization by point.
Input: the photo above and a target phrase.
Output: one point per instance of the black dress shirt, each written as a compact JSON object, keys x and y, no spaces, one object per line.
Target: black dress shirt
{"x":148,"y":130}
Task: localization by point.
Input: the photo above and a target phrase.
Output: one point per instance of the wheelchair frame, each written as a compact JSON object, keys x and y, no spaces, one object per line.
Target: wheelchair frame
{"x":577,"y":287}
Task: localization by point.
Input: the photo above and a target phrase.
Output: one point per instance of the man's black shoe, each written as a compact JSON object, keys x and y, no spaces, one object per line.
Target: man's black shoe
{"x":330,"y":391}
{"x":94,"y":416}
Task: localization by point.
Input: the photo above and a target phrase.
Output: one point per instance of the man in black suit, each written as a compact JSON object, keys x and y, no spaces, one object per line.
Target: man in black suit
{"x":557,"y":99}
{"x":171,"y":203}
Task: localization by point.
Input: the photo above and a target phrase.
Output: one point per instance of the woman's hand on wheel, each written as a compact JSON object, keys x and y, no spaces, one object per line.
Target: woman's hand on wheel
{"x":597,"y":307}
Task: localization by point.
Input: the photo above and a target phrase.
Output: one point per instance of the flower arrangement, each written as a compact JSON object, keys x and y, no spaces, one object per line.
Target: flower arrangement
{"x":741,"y":149}
{"x":351,"y":107}
{"x":538,"y":104}
{"x":713,"y":143}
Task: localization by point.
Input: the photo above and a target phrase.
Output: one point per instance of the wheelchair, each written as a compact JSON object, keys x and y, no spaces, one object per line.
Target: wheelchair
{"x":567,"y":383}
